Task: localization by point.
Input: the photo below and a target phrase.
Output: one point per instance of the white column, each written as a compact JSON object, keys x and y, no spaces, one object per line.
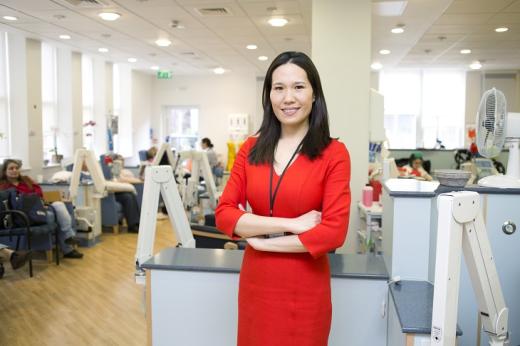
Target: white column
{"x":34,"y":105}
{"x":100,"y":109}
{"x":18,"y":104}
{"x":77,"y":106}
{"x":341,"y":34}
{"x":64,"y":88}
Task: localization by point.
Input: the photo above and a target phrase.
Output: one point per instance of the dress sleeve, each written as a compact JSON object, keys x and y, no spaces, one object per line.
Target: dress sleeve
{"x":331,"y":232}
{"x":228,"y":212}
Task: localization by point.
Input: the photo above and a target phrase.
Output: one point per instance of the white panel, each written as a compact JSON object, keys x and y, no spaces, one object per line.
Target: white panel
{"x":64,"y":88}
{"x":18,"y":94}
{"x":100,"y":111}
{"x":125,"y":118}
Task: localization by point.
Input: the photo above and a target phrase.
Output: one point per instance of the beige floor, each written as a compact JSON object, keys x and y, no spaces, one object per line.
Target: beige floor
{"x":93,"y":301}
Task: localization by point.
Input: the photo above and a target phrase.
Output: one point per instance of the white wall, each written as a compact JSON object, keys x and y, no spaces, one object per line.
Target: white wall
{"x":142,"y":85}
{"x":215,"y":96}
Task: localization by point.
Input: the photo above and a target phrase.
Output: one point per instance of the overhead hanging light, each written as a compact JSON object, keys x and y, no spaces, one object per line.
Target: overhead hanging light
{"x":502,"y":29}
{"x":399,"y":29}
{"x":262,"y":58}
{"x":376,"y":66}
{"x":11,"y":18}
{"x":65,"y":37}
{"x":384,"y":52}
{"x":103,"y":50}
{"x":251,"y":46}
{"x":465,"y":51}
{"x":219,"y":70}
{"x":132,"y":60}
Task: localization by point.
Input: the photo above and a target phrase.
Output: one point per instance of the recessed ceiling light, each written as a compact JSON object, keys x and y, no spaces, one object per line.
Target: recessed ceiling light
{"x":103,"y":50}
{"x":501,"y":29}
{"x":218,"y":70}
{"x":132,"y":60}
{"x":399,"y":29}
{"x":251,"y":46}
{"x":163,"y":42}
{"x":278,"y":22}
{"x":376,"y":66}
{"x":476,"y":65}
{"x":384,"y":52}
{"x":262,"y":58}
{"x":65,"y":37}
{"x":110,"y":16}
{"x":155,"y":68}
{"x":12,"y":18}
{"x":465,"y":51}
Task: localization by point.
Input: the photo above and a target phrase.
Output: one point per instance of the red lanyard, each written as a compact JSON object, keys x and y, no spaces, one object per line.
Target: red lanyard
{"x":272,"y":197}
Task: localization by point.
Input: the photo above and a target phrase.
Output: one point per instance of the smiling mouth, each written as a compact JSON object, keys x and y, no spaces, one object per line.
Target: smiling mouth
{"x":289,"y":111}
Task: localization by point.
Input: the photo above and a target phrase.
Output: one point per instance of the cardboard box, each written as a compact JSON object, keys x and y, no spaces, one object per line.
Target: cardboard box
{"x":52,"y":196}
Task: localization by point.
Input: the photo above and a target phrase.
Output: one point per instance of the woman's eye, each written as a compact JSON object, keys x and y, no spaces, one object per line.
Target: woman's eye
{"x":300,"y":87}
{"x":278,"y":88}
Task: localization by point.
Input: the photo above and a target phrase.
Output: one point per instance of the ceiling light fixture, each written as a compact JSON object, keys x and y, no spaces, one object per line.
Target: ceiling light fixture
{"x":399,"y":29}
{"x":277,"y":22}
{"x":376,"y":66}
{"x":163,"y":42}
{"x":65,"y":37}
{"x":11,"y":18}
{"x":219,"y":70}
{"x":262,"y":58}
{"x":502,"y":29}
{"x":103,"y":50}
{"x":465,"y":51}
{"x":110,"y":16}
{"x":384,"y":52}
{"x":476,"y":65}
{"x":251,"y":46}
{"x":155,"y":68}
{"x":132,"y":60}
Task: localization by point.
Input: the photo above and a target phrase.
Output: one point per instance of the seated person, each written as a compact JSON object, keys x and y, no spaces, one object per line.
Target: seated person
{"x":150,"y":155}
{"x":10,"y":177}
{"x":125,"y":175}
{"x":216,"y":167}
{"x":128,"y":201}
{"x":415,"y":167}
{"x":17,"y":258}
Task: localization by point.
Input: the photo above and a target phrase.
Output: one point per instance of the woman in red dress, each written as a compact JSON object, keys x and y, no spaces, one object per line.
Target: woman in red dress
{"x":295,"y":178}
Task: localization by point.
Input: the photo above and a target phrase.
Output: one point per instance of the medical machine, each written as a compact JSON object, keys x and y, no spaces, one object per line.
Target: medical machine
{"x":159,"y":181}
{"x":461,"y":229}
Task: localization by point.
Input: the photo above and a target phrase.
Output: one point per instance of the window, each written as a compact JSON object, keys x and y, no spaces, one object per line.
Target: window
{"x":422,"y":107}
{"x":87,"y":87}
{"x":5,"y":142}
{"x":49,"y":104}
{"x":181,"y":126}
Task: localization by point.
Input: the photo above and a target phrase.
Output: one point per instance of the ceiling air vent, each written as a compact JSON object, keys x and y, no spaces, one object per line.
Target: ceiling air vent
{"x":214,"y":11}
{"x":88,"y":3}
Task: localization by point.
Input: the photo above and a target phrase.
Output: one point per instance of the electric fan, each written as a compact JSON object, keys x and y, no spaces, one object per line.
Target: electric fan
{"x":495,"y":128}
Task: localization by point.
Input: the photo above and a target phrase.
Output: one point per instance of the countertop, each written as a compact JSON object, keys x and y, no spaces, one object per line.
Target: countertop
{"x":427,"y":189}
{"x":413,"y":302}
{"x":366,"y":266}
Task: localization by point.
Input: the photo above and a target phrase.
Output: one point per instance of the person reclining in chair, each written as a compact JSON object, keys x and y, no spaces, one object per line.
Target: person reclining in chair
{"x":10,"y":177}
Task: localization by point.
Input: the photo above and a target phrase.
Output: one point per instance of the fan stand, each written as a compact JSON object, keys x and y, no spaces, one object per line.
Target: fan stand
{"x":512,"y":178}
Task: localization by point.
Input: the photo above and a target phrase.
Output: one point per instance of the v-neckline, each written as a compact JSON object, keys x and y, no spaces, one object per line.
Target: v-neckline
{"x":292,"y":163}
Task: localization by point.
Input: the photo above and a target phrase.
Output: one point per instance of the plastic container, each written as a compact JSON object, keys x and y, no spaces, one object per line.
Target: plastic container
{"x":367,"y":196}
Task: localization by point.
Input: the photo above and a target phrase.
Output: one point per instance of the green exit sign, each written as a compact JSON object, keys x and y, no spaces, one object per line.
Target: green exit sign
{"x":164,"y":74}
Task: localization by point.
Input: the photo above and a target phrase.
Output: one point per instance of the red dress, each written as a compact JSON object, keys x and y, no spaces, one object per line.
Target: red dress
{"x":284,"y":298}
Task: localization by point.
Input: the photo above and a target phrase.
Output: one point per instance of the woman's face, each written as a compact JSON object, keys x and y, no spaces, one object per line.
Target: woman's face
{"x":291,"y":95}
{"x":203,"y":145}
{"x":13,"y":171}
{"x":417,"y":163}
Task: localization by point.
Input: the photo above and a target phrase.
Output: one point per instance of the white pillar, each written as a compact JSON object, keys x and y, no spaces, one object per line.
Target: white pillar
{"x":341,"y":41}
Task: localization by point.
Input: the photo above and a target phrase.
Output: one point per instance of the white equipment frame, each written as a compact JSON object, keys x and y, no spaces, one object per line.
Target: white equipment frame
{"x":164,"y":149}
{"x":200,"y":163}
{"x":159,"y":181}
{"x":84,"y":156}
{"x":461,"y":228}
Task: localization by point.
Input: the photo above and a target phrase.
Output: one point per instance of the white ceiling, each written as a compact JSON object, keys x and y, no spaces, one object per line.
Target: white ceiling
{"x":210,"y":41}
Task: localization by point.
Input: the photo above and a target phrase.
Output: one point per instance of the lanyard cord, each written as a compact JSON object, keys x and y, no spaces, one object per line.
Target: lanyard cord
{"x":272,"y":197}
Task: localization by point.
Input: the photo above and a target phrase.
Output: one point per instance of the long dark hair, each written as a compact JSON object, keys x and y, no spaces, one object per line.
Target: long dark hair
{"x":318,"y":136}
{"x":21,"y":178}
{"x":207,"y":141}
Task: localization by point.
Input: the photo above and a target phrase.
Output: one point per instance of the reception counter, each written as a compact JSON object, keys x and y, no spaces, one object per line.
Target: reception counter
{"x":410,"y":240}
{"x":192,"y":298}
